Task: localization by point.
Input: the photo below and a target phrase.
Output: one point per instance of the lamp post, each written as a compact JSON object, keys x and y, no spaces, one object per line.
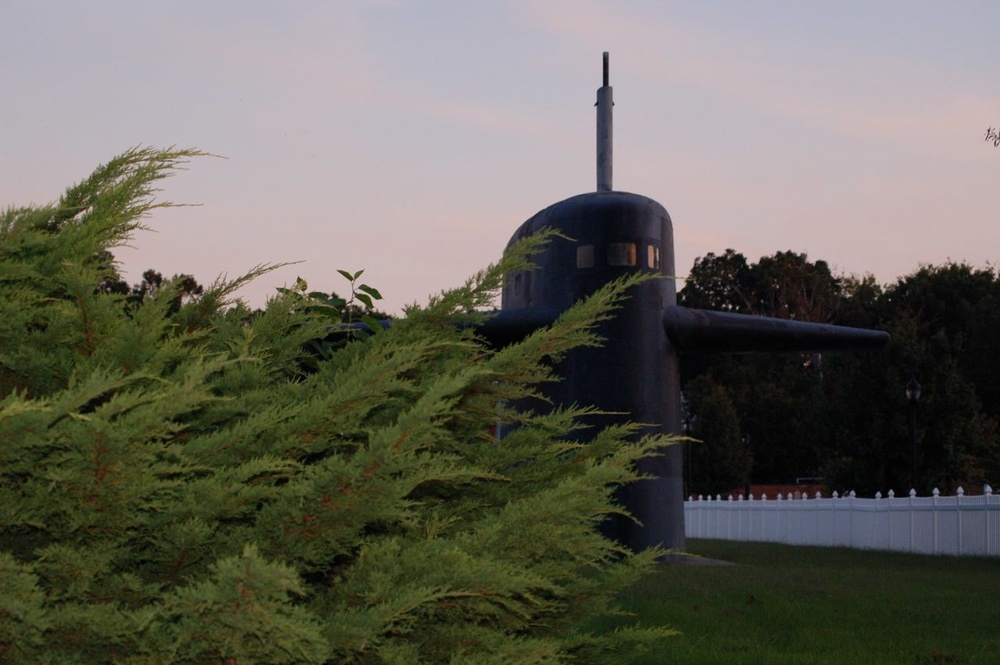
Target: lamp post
{"x":912,"y":395}
{"x":687,"y":422}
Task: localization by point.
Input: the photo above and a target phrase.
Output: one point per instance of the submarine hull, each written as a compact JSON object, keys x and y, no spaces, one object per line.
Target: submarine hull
{"x":635,"y":372}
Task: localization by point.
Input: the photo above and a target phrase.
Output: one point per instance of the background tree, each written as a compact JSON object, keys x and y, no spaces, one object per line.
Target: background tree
{"x":942,"y":320}
{"x":719,"y":282}
{"x":785,"y":285}
{"x":183,"y":287}
{"x":843,"y":416}
{"x":788,"y":285}
{"x":781,"y":406}
{"x":721,"y":459}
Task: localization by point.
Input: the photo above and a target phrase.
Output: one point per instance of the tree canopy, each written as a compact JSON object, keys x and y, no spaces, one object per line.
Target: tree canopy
{"x":183,"y":480}
{"x":843,"y":417}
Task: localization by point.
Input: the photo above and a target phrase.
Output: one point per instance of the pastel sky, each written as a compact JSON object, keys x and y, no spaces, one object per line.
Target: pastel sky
{"x":411,"y":139}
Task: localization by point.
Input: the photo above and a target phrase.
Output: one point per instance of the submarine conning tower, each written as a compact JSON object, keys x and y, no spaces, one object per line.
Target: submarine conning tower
{"x":635,"y":375}
{"x":635,"y":372}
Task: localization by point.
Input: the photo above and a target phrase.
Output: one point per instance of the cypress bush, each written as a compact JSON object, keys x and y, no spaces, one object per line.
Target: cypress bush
{"x":204,"y":483}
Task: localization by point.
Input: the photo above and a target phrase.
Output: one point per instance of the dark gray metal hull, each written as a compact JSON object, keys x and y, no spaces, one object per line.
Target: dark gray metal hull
{"x":636,"y":372}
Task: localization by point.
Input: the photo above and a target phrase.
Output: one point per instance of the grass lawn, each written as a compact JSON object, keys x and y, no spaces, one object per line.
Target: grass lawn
{"x":784,"y":604}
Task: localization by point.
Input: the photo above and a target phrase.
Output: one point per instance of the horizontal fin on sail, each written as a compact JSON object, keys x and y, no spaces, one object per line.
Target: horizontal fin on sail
{"x":706,"y":331}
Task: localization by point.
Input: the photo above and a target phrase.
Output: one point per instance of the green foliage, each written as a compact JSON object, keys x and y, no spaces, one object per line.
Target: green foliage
{"x":843,"y":416}
{"x":776,"y":403}
{"x":192,"y":482}
{"x":786,"y":285}
{"x":719,"y":282}
{"x":943,"y":321}
{"x":720,"y":459}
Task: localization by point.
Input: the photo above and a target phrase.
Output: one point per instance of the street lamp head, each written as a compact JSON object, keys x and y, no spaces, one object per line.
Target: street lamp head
{"x":687,"y":419}
{"x":913,"y":390}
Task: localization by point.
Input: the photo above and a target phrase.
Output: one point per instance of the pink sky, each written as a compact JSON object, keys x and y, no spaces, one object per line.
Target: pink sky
{"x":411,"y":139}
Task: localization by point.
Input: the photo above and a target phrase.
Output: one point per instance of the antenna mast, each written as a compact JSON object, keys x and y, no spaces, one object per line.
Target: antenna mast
{"x":605,"y":102}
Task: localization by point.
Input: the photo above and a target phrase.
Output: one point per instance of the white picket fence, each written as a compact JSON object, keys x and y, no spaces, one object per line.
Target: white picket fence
{"x":958,"y":525}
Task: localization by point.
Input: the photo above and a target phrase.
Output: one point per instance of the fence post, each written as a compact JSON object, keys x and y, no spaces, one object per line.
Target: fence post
{"x":729,"y":518}
{"x":876,"y":514}
{"x":891,"y":495}
{"x":763,"y":517}
{"x":987,"y":494}
{"x":913,"y":535}
{"x":959,"y":493}
{"x":718,"y":527}
{"x":934,"y":500}
{"x":850,"y":514}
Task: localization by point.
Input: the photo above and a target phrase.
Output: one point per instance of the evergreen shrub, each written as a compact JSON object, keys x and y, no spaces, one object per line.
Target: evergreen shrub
{"x":204,"y":483}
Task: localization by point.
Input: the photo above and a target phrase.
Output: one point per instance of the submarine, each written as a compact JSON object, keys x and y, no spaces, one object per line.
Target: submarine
{"x":636,"y":372}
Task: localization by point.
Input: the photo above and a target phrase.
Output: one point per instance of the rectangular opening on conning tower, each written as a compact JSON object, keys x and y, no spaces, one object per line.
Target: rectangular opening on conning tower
{"x":621,"y":254}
